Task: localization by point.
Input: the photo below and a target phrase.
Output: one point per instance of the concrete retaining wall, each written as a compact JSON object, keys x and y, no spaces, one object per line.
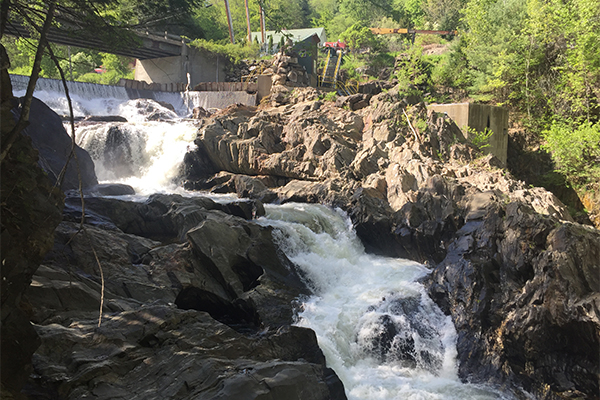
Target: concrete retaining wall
{"x":163,"y":87}
{"x":479,"y":117}
{"x":226,"y":87}
{"x":202,"y":67}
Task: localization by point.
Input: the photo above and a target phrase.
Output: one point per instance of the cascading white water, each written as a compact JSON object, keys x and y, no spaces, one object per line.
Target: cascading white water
{"x":379,"y":330}
{"x":142,"y":153}
{"x":145,"y":155}
{"x":87,"y":98}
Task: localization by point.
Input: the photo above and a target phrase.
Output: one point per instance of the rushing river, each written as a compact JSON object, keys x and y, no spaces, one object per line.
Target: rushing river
{"x":377,"y":327}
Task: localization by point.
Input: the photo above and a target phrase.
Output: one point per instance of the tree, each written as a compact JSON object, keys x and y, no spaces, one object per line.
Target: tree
{"x":443,"y":14}
{"x":359,"y":37}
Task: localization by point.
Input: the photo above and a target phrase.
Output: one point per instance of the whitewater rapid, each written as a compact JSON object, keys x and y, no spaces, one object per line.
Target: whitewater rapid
{"x":368,"y":311}
{"x":377,"y":327}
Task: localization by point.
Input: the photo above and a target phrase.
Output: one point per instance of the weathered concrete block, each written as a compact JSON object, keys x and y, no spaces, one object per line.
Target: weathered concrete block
{"x":468,"y":116}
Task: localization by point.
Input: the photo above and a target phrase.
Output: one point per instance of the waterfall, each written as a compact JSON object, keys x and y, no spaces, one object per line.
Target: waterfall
{"x":96,"y":99}
{"x":87,"y":98}
{"x":379,"y":330}
{"x":144,"y":155}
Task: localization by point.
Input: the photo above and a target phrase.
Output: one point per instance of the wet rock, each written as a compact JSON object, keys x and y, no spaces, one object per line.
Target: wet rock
{"x":422,"y":191}
{"x":153,"y":110}
{"x":179,"y":354}
{"x":255,"y":271}
{"x":161,"y":217}
{"x":54,"y":145}
{"x":510,"y":284}
{"x":403,"y":329}
{"x":104,"y":118}
{"x":233,"y":289}
{"x":199,"y":113}
{"x":110,"y":189}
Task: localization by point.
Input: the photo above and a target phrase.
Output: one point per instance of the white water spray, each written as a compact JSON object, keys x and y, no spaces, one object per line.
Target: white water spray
{"x":145,"y":155}
{"x":379,"y":330}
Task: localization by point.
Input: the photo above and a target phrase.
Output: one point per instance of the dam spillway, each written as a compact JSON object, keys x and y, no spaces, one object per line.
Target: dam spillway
{"x":98,"y":99}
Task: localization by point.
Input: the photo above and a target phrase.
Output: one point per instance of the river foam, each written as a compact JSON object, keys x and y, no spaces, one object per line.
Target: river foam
{"x":379,"y":330}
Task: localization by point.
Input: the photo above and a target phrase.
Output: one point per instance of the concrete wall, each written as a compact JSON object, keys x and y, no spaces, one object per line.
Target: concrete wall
{"x":480,"y":117}
{"x":202,"y":67}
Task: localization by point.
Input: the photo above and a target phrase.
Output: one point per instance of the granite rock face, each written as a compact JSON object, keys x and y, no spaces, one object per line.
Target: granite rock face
{"x":196,"y":303}
{"x":157,"y":351}
{"x":54,"y":145}
{"x":517,"y":275}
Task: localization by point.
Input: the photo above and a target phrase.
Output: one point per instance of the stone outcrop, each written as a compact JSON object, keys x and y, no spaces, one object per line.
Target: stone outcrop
{"x":517,"y":275}
{"x":286,"y":71}
{"x":158,"y":351}
{"x":197,"y":303}
{"x":54,"y":145}
{"x":523,"y":291}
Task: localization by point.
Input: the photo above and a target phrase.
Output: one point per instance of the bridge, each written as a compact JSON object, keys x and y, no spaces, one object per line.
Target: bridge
{"x":164,"y":60}
{"x":147,"y":46}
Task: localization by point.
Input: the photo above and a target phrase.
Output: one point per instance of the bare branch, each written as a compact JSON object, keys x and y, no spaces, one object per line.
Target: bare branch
{"x":26,"y":103}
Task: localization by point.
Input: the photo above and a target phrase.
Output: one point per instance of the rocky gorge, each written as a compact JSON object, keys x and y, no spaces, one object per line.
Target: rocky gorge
{"x":510,"y":266}
{"x":199,"y":301}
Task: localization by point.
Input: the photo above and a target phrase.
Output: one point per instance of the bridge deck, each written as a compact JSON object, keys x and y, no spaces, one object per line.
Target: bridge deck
{"x":149,"y":46}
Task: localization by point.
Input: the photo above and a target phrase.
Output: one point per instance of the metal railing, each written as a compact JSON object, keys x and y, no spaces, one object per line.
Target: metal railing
{"x":253,"y":74}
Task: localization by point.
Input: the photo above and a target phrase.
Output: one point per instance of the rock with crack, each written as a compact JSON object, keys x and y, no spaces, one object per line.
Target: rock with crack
{"x":160,"y":351}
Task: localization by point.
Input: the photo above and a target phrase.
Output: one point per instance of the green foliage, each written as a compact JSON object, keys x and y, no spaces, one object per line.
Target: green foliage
{"x":452,"y":69}
{"x":352,"y":66}
{"x":180,"y":17}
{"x":233,"y":52}
{"x":330,"y":96}
{"x":360,"y":37}
{"x":421,"y":125}
{"x":381,"y":60}
{"x":443,"y":14}
{"x":416,"y":69}
{"x":540,"y":57}
{"x":480,"y":139}
{"x":575,"y":148}
{"x":83,"y":62}
{"x":116,"y":67}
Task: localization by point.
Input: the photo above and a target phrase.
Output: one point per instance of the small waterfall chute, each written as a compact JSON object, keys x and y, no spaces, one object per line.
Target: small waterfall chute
{"x":145,"y":155}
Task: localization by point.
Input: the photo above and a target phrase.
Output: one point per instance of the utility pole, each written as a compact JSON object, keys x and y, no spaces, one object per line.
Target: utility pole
{"x":262,"y":22}
{"x":248,"y":23}
{"x":229,"y":22}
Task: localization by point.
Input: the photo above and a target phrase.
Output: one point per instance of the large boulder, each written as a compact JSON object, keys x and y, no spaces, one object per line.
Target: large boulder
{"x":50,"y":138}
{"x":161,"y":217}
{"x":523,"y":291}
{"x":195,"y":302}
{"x":161,"y":351}
{"x":305,"y":143}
